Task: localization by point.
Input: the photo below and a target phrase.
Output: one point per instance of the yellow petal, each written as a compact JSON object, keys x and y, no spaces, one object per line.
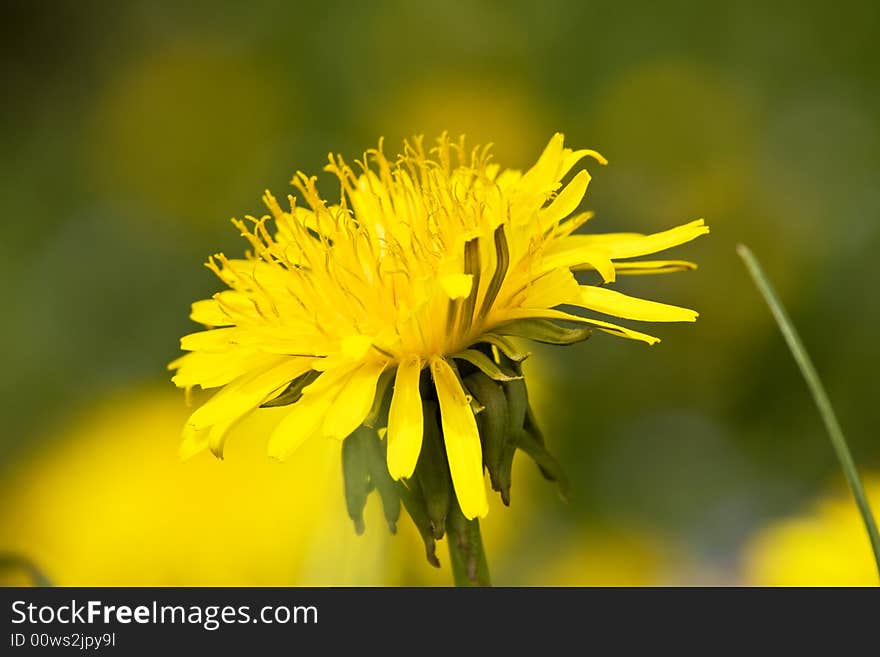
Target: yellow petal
{"x":614,"y":303}
{"x":219,"y":339}
{"x":248,"y":391}
{"x":545,"y":173}
{"x":570,"y":252}
{"x":213,"y":369}
{"x":291,"y":339}
{"x":240,"y":397}
{"x":355,"y":347}
{"x":193,"y":442}
{"x":210,"y":313}
{"x":631,"y":245}
{"x":405,"y":421}
{"x":571,"y":224}
{"x":354,"y":401}
{"x":257,"y":273}
{"x":222,"y":309}
{"x":570,"y":158}
{"x":456,"y":286}
{"x":552,"y":289}
{"x":554,"y":163}
{"x":508,"y":179}
{"x":306,"y":416}
{"x":566,"y":202}
{"x":301,"y":423}
{"x":462,"y":440}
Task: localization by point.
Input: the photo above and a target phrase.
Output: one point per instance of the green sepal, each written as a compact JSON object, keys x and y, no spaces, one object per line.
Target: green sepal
{"x":293,"y":392}
{"x":379,"y":475}
{"x":415,"y":507}
{"x":549,"y":466}
{"x":356,"y":478}
{"x":544,"y":330}
{"x":493,"y":426}
{"x":530,"y":423}
{"x":531,"y":427}
{"x":485,"y":364}
{"x":432,"y":471}
{"x":505,"y":346}
{"x":378,"y":415}
{"x":517,"y":403}
{"x":364,"y":470}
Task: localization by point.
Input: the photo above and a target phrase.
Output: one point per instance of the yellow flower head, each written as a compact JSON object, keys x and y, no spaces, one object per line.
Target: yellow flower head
{"x":825,"y":545}
{"x":423,"y":258}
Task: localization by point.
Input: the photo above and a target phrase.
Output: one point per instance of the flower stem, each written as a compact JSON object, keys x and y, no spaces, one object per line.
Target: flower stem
{"x":838,"y":440}
{"x":466,"y":554}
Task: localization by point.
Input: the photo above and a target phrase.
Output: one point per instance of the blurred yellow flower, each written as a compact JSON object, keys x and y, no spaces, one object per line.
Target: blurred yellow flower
{"x":605,"y":556}
{"x":826,"y":546}
{"x":422,"y":258}
{"x":104,"y":504}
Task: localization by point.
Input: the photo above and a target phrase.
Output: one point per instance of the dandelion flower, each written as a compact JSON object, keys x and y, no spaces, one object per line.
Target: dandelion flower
{"x":394,"y":304}
{"x":825,"y":545}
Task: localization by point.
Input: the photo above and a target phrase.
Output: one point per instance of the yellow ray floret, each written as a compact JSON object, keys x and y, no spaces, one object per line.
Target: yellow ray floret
{"x":421,"y":257}
{"x":405,"y":421}
{"x":462,"y":440}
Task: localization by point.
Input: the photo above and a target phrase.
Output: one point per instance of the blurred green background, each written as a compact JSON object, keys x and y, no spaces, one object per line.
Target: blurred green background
{"x":133,"y":131}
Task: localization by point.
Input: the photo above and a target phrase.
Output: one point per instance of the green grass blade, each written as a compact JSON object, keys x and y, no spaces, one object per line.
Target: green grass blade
{"x":838,"y":440}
